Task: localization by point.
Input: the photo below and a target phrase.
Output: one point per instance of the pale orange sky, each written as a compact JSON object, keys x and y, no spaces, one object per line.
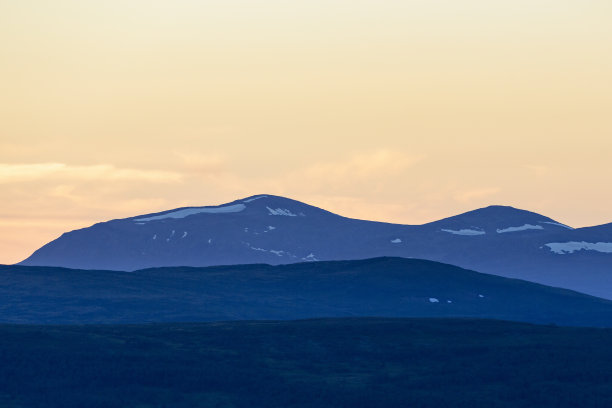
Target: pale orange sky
{"x":402,"y":111}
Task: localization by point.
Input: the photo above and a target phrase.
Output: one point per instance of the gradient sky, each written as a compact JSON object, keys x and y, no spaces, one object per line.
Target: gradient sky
{"x":397,"y":110}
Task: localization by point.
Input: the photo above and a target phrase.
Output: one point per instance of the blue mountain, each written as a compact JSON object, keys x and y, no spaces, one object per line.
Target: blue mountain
{"x":275,"y":230}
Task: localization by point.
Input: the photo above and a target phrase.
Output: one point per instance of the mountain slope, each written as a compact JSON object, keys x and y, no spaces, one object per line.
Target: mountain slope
{"x":276,"y":230}
{"x":390,"y":287}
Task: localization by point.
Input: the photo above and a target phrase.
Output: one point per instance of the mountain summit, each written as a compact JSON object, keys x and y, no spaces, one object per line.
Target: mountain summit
{"x":276,"y":230}
{"x":501,"y":219}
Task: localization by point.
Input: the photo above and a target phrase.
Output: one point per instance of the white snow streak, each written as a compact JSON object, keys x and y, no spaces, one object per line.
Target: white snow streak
{"x":521,"y":228}
{"x":310,"y":258}
{"x":253,"y":198}
{"x":396,"y":241}
{"x":281,"y":211}
{"x":465,"y":231}
{"x":556,"y":223}
{"x":434,"y":300}
{"x":573,"y":246}
{"x":258,"y":249}
{"x":192,"y":211}
{"x":275,"y":252}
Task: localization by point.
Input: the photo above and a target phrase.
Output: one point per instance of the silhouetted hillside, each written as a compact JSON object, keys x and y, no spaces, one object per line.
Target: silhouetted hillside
{"x":391,"y":287}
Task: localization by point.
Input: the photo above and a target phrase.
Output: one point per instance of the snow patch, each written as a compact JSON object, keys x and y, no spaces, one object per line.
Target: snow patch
{"x":192,"y":211}
{"x":155,"y":236}
{"x":254,"y":198}
{"x":434,"y":300}
{"x":281,"y":211}
{"x":480,"y":296}
{"x":310,"y":258}
{"x":209,"y":241}
{"x":466,"y":231}
{"x":257,"y":249}
{"x":556,"y":223}
{"x":573,"y":246}
{"x":521,"y":228}
{"x":270,"y":228}
{"x":449,"y":301}
{"x":273,"y":251}
{"x":396,"y":241}
{"x":184,"y":234}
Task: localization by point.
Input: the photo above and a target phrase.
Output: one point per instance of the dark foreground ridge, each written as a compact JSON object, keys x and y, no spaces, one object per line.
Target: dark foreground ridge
{"x":382,"y":287}
{"x":325,"y":363}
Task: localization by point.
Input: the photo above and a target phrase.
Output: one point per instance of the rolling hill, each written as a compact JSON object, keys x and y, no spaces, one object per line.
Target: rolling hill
{"x":386,"y":287}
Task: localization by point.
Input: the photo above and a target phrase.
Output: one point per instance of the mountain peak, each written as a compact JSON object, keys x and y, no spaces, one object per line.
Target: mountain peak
{"x":263,"y":204}
{"x":498,"y":218}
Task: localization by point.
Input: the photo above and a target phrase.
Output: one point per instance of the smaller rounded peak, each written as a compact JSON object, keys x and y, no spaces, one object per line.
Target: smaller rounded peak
{"x":505,"y":210}
{"x":500,"y":219}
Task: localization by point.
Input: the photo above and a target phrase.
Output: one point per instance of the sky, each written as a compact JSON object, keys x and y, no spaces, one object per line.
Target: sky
{"x":399,"y":110}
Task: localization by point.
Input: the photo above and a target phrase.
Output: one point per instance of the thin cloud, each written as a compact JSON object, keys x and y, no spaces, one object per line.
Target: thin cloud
{"x":12,"y":173}
{"x":471,"y":195}
{"x":374,"y":164}
{"x":376,"y":167}
{"x":538,"y":169}
{"x":205,"y":164}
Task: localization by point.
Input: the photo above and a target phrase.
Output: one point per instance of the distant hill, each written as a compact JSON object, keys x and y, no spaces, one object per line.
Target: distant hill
{"x":389,"y":287}
{"x":269,"y":229}
{"x":329,"y":363}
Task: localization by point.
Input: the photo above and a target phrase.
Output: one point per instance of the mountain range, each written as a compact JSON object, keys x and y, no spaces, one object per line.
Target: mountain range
{"x":275,"y":230}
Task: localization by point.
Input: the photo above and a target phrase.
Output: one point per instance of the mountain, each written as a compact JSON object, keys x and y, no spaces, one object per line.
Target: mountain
{"x":385,"y":287}
{"x":269,"y":229}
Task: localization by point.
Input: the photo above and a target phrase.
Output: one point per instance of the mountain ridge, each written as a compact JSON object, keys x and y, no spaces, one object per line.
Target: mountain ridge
{"x":384,"y":287}
{"x":271,"y":229}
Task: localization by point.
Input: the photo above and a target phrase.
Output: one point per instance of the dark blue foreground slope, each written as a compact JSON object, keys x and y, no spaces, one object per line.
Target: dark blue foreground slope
{"x":390,"y":287}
